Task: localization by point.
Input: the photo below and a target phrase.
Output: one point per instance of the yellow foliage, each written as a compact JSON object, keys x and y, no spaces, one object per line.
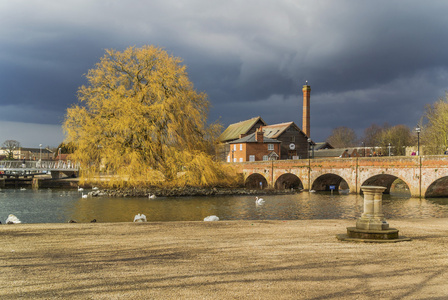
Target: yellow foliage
{"x":141,"y":120}
{"x":434,"y":131}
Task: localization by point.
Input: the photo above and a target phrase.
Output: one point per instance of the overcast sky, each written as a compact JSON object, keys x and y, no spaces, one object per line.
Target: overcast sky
{"x":366,"y":61}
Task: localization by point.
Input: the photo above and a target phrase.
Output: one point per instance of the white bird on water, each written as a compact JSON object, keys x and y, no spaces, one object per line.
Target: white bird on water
{"x":12,"y":220}
{"x":152,"y":196}
{"x":84,"y":196}
{"x":95,"y":188}
{"x":259,"y":201}
{"x":140,"y":218}
{"x":80,"y":189}
{"x":211,"y":218}
{"x":312,"y":191}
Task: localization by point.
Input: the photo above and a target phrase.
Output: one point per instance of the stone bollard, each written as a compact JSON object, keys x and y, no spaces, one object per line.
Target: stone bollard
{"x":372,"y":218}
{"x":372,"y":226}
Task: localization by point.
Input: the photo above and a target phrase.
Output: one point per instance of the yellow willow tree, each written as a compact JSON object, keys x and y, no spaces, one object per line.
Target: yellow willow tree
{"x":141,"y":120}
{"x":434,"y":131}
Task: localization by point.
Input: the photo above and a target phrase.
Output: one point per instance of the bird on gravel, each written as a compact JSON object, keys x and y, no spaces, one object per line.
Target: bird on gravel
{"x":211,"y":218}
{"x":140,"y":218}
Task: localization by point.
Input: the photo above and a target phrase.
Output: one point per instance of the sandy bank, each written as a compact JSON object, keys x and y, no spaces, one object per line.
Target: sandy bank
{"x":221,"y":260}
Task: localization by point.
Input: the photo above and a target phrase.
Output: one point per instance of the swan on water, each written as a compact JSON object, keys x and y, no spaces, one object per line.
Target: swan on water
{"x":84,"y":196}
{"x":12,"y":220}
{"x":95,"y":188}
{"x":80,"y":189}
{"x":152,"y":196}
{"x":312,"y":191}
{"x":211,"y":218}
{"x":23,"y":189}
{"x":259,"y":201}
{"x":140,"y":218}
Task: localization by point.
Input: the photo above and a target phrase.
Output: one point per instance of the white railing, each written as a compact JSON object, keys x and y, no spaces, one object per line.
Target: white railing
{"x":38,"y":165}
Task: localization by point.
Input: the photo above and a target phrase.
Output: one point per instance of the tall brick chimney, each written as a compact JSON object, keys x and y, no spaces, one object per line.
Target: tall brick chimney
{"x":306,"y":109}
{"x":259,"y":135}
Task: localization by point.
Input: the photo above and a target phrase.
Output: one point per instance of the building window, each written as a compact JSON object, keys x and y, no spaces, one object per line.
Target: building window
{"x":234,"y":147}
{"x":265,"y":157}
{"x":241,"y":147}
{"x":271,"y":147}
{"x":228,"y":158}
{"x":251,"y":157}
{"x":241,"y":159}
{"x":293,"y":139}
{"x":234,"y":159}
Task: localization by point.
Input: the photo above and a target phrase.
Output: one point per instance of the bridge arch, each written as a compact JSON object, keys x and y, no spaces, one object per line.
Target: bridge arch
{"x":438,"y":188}
{"x":256,"y":181}
{"x":323,"y":182}
{"x":387,"y":180}
{"x":288,"y":181}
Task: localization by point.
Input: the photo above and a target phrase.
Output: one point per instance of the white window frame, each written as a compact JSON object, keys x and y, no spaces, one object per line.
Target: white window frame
{"x":271,"y":147}
{"x":241,"y":147}
{"x":228,"y":158}
{"x":251,"y":157}
{"x":241,"y":159}
{"x":234,"y":147}
{"x":265,"y":158}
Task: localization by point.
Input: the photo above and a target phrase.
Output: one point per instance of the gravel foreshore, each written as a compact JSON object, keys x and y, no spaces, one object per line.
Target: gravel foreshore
{"x":300,"y":259}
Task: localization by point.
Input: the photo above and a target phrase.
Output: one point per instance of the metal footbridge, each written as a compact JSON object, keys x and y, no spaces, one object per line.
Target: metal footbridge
{"x":21,"y":168}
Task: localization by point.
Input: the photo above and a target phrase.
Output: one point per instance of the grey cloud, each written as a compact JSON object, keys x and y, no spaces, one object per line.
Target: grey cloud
{"x":367,"y":62}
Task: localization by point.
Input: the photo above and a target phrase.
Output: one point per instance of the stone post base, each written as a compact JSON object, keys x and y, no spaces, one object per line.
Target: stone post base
{"x":372,"y":224}
{"x":373,"y":236}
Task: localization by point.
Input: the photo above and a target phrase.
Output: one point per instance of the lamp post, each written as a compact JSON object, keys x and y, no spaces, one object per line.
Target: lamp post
{"x":389,"y":148}
{"x":310,"y":145}
{"x":418,"y":139}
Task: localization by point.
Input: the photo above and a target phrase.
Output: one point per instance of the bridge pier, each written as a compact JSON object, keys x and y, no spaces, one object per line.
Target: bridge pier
{"x":35,"y":183}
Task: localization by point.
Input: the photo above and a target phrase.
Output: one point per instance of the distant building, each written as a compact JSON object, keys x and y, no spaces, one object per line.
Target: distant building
{"x":322,"y":146}
{"x":293,"y":142}
{"x":29,"y":153}
{"x":342,"y":152}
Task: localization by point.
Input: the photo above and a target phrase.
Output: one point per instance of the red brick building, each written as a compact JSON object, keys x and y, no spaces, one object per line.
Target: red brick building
{"x":253,"y":147}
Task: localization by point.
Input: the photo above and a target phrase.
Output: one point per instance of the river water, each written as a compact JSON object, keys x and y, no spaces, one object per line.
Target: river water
{"x":60,"y":206}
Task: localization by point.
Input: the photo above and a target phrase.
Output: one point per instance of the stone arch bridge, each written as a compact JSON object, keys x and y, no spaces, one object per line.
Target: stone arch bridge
{"x":425,"y":176}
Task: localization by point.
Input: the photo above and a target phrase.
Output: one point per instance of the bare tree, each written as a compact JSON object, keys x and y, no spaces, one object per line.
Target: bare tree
{"x":10,"y":146}
{"x":342,"y":137}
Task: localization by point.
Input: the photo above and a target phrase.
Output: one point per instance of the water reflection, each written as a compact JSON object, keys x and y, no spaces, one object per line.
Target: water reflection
{"x":54,"y":206}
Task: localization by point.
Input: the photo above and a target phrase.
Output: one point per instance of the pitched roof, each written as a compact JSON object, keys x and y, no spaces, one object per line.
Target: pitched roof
{"x":35,"y":150}
{"x":274,"y":131}
{"x":234,"y":130}
{"x":251,"y":139}
{"x":323,"y":145}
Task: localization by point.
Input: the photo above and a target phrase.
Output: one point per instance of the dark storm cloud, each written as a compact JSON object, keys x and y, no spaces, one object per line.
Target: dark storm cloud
{"x":366,"y":62}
